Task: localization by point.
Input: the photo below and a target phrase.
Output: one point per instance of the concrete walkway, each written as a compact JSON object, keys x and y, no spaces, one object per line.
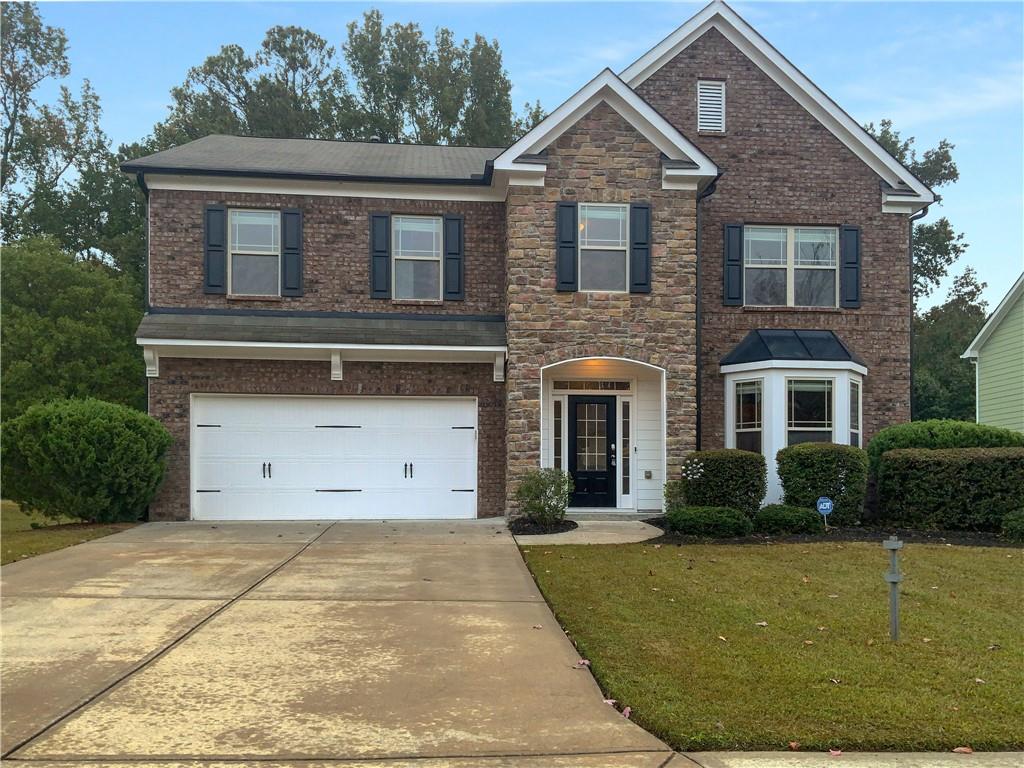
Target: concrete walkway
{"x":597,"y":532}
{"x":421,"y":644}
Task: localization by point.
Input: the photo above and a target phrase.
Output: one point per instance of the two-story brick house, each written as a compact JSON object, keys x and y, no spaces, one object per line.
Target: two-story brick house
{"x":701,"y":251}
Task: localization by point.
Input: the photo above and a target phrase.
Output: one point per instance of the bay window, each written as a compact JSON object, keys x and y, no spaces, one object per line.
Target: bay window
{"x":790,"y":266}
{"x":809,"y":410}
{"x":604,"y":249}
{"x":855,"y":414}
{"x":748,"y":415}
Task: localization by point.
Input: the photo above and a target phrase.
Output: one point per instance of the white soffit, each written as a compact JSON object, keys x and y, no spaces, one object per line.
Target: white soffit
{"x":720,"y":16}
{"x":608,"y":88}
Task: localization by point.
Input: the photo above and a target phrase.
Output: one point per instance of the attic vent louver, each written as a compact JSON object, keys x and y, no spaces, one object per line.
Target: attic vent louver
{"x":710,"y":105}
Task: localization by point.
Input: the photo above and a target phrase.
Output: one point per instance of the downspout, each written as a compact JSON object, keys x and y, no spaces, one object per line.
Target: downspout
{"x":708,"y":191}
{"x":910,"y":254}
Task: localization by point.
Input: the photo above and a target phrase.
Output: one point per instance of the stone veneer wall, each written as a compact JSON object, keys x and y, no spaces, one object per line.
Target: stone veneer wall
{"x":179,"y":378}
{"x":780,"y":165}
{"x":601,"y":160}
{"x":336,"y":261}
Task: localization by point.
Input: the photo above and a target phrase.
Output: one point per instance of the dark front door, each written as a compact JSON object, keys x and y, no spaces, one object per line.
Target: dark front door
{"x":592,"y":451}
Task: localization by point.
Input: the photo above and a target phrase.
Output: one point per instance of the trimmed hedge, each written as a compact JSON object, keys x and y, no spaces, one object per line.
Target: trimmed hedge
{"x":543,"y":495}
{"x":953,"y":489}
{"x":84,"y":459}
{"x":811,"y":470}
{"x":780,"y":518}
{"x":1013,"y":525}
{"x":940,"y":433}
{"x":726,"y":478}
{"x":713,"y":522}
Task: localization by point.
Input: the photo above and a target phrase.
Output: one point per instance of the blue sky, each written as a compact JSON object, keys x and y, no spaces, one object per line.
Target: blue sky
{"x":939,"y":70}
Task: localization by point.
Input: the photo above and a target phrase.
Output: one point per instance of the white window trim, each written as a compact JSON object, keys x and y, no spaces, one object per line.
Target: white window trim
{"x":791,"y":266}
{"x":439,"y":258}
{"x":760,"y":427}
{"x":831,"y":429}
{"x":232,"y":252}
{"x":580,"y":248}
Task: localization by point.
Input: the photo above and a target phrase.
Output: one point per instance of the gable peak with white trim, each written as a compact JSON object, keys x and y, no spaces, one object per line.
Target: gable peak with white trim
{"x":901,"y":191}
{"x":685,"y":165}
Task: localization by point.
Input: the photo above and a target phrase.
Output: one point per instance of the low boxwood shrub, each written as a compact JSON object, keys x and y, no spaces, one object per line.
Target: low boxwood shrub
{"x":954,"y":489}
{"x":940,"y":433}
{"x":543,"y":495}
{"x":713,"y":522}
{"x":781,"y":518}
{"x":809,"y":471}
{"x":1013,"y":525}
{"x":84,"y":459}
{"x":726,"y":478}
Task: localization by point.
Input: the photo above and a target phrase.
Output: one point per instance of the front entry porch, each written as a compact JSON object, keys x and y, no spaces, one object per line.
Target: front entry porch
{"x":603,"y":421}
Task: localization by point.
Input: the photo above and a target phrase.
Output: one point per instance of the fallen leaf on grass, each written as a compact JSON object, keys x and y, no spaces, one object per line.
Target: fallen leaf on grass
{"x":833,"y":596}
{"x":626,"y":712}
{"x":794,"y":745}
{"x":926,"y":639}
{"x":994,"y":647}
{"x":822,"y":628}
{"x":610,"y":702}
{"x":835,"y":680}
{"x":761,"y":624}
{"x":583,"y":663}
{"x":963,"y":750}
{"x":657,"y":546}
{"x":979,"y":680}
{"x":805,"y":579}
{"x":808,"y":642}
{"x":870,"y":642}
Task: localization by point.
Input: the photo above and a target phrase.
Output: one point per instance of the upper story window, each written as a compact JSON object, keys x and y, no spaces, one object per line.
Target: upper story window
{"x":711,"y":105}
{"x":809,"y":409}
{"x":790,"y":266}
{"x":254,"y":267}
{"x":604,"y":249}
{"x":416,"y":257}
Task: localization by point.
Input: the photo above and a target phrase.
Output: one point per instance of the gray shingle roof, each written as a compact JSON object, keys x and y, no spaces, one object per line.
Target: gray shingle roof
{"x":328,"y":329}
{"x":790,"y":345}
{"x":316,"y":159}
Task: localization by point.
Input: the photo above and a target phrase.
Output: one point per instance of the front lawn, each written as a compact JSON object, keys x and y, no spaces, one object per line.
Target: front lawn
{"x":18,"y":539}
{"x":673,"y":632}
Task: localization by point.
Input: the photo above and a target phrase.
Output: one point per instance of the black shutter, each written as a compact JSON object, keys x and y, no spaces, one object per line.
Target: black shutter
{"x":215,"y":249}
{"x":566,"y":235}
{"x":380,"y":256}
{"x":291,"y":252}
{"x":849,"y":266}
{"x":732,"y":268}
{"x":453,"y":266}
{"x":640,"y":248}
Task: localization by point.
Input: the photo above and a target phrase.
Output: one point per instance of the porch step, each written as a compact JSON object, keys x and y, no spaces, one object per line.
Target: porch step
{"x":609,"y":514}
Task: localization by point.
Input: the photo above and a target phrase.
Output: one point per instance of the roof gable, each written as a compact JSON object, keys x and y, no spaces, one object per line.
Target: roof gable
{"x":684,"y":162}
{"x":1015,"y":294}
{"x":904,"y":193}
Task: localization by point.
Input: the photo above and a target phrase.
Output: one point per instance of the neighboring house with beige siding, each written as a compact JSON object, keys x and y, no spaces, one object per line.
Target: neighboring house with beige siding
{"x":998,"y":356}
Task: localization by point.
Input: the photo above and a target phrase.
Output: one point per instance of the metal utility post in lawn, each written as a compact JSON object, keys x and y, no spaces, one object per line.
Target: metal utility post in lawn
{"x":894,"y":577}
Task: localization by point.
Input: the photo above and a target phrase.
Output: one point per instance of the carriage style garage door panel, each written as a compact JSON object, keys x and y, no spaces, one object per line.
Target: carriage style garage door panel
{"x":304,"y":458}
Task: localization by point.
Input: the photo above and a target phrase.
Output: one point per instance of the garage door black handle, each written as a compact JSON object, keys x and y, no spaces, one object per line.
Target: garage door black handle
{"x":405,"y":469}
{"x":410,"y":469}
{"x":270,"y":472}
{"x":264,"y":470}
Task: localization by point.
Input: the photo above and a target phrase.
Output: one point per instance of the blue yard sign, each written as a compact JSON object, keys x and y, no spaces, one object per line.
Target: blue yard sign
{"x":824,"y":506}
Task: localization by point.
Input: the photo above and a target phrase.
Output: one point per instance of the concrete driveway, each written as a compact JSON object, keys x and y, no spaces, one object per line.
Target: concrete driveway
{"x":387,"y":644}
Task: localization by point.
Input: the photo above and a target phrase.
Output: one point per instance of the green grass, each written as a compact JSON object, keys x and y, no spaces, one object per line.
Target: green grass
{"x":18,"y":539}
{"x":822,"y":672}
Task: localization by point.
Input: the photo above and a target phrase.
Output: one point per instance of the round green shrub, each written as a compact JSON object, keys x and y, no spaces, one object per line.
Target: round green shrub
{"x":809,"y":471}
{"x":84,"y":459}
{"x":713,"y":522}
{"x":781,"y":518}
{"x":940,"y":433}
{"x":726,"y":478}
{"x":543,"y":495}
{"x":1013,"y":525}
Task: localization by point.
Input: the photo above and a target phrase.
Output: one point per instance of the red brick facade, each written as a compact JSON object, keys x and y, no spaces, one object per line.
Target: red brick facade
{"x":781,"y":166}
{"x":336,"y":273}
{"x":180,"y":378}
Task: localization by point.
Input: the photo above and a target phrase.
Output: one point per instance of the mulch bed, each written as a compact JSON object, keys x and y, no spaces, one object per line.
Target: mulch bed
{"x":870,"y":534}
{"x":523,"y":527}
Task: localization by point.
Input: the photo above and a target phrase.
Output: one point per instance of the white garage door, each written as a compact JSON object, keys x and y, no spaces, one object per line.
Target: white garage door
{"x":305,"y":458}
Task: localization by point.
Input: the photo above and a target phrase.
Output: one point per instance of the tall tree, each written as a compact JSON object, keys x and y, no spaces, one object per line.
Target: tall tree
{"x":943,"y":383}
{"x":936,"y":245}
{"x":44,"y":145}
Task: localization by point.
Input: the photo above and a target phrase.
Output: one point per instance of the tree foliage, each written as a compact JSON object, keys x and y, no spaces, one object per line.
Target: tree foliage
{"x":67,"y":330}
{"x":943,"y":383}
{"x":936,"y":246}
